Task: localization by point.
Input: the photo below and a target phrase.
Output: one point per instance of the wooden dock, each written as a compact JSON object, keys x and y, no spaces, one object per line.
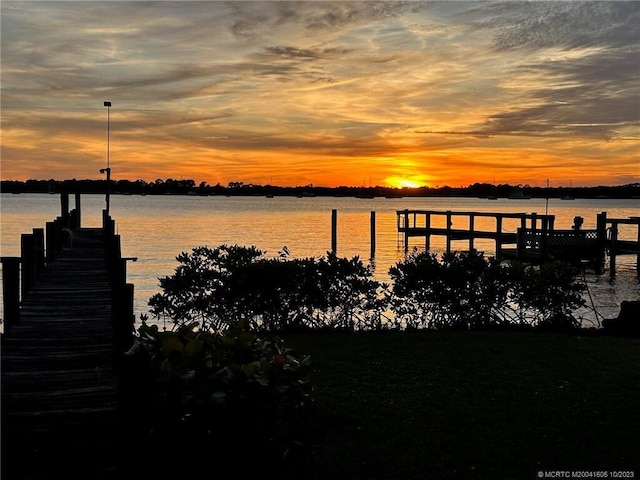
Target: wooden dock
{"x":535,"y":240}
{"x":60,"y":397}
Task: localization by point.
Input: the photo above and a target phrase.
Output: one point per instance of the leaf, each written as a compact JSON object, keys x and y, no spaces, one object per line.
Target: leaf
{"x":250,"y":369}
{"x":194,"y":347}
{"x":279,"y":360}
{"x":170,"y":345}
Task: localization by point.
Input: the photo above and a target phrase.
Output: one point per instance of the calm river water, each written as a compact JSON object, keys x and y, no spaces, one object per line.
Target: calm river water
{"x":157,"y":228}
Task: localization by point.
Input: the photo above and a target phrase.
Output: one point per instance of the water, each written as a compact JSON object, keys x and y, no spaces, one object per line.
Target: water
{"x":157,"y":228}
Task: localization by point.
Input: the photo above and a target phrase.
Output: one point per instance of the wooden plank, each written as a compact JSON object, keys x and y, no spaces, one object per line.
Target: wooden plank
{"x":59,"y":403}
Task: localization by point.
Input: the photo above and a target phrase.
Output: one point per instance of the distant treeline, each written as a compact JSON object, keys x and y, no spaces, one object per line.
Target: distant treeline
{"x":190,"y":187}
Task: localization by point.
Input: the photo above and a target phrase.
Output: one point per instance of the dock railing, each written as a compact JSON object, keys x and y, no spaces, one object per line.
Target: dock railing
{"x":535,"y":239}
{"x":38,"y":250}
{"x":122,"y":293}
{"x":617,"y":246}
{"x":419,"y":223}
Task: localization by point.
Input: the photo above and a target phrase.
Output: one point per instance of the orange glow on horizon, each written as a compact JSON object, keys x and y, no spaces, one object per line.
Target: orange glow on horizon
{"x":137,"y":160}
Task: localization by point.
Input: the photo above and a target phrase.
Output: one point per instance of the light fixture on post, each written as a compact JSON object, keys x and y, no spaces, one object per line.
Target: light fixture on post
{"x":108,"y":169}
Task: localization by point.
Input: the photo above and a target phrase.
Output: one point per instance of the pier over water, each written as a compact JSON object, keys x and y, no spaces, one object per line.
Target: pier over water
{"x":535,"y":240}
{"x":68,"y":320}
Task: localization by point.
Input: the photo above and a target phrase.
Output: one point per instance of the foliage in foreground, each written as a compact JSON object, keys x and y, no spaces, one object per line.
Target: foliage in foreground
{"x":218,"y":391}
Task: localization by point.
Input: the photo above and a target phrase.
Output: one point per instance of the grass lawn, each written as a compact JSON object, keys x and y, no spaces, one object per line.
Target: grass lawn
{"x":471,"y":405}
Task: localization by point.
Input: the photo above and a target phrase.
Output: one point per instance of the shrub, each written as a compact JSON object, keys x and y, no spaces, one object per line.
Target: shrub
{"x":202,"y":287}
{"x":549,"y":293}
{"x":223,"y":287}
{"x":214,"y":392}
{"x":466,"y":290}
{"x":345,"y":295}
{"x":227,"y":285}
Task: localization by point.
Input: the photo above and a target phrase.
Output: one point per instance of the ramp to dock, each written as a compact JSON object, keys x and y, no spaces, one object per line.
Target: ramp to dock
{"x":59,"y":395}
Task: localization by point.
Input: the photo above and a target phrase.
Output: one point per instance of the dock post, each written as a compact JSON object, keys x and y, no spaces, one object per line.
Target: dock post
{"x":543,"y":241}
{"x":406,"y":231}
{"x":471,"y":231}
{"x":11,"y":291}
{"x":108,"y":224}
{"x":372,"y":223}
{"x":601,"y":227}
{"x":427,"y":236}
{"x":50,"y":241}
{"x":64,"y":207}
{"x":498,"y":241}
{"x":334,"y":230}
{"x":78,"y":209}
{"x":38,"y":251}
{"x":534,"y":221}
{"x":116,"y":265}
{"x":449,"y":224}
{"x":27,"y":248}
{"x":612,"y":249}
{"x":122,"y":318}
{"x":521,"y":243}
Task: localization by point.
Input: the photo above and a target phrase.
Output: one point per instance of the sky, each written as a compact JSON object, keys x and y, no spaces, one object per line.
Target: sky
{"x":327,"y":93}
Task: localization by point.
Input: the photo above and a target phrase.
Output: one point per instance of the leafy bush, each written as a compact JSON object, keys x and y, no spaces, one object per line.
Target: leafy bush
{"x":202,"y":288}
{"x":344,"y":295}
{"x":227,"y":285}
{"x":220,"y":288}
{"x":549,"y":293}
{"x":214,"y":392}
{"x":466,"y":290}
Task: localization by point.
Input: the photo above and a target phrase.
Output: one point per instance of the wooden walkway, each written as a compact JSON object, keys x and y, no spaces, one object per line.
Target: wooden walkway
{"x":60,"y":414}
{"x":535,"y":239}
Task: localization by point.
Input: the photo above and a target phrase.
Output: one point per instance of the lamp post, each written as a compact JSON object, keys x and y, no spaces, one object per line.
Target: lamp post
{"x":108,"y":169}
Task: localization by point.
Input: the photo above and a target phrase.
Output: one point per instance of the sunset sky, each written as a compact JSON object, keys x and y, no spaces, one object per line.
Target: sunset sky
{"x":328,"y":93}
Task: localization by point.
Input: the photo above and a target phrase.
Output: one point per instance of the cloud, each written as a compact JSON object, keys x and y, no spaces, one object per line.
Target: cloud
{"x":232,"y":83}
{"x":580,"y":74}
{"x":594,"y":94}
{"x":568,"y":24}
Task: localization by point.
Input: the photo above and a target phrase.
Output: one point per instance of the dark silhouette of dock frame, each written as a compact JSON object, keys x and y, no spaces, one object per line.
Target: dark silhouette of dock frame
{"x":68,"y":319}
{"x":535,"y":241}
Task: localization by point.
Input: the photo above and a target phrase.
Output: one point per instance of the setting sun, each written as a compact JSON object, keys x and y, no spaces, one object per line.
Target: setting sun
{"x":408,"y":184}
{"x":405,"y":182}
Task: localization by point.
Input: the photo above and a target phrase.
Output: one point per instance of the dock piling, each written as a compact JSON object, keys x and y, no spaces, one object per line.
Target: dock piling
{"x":613,"y":245}
{"x":372,"y":224}
{"x":11,"y":291}
{"x":449,"y":225}
{"x":498,"y":237}
{"x":27,"y":252}
{"x":334,"y":230}
{"x":64,"y":205}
